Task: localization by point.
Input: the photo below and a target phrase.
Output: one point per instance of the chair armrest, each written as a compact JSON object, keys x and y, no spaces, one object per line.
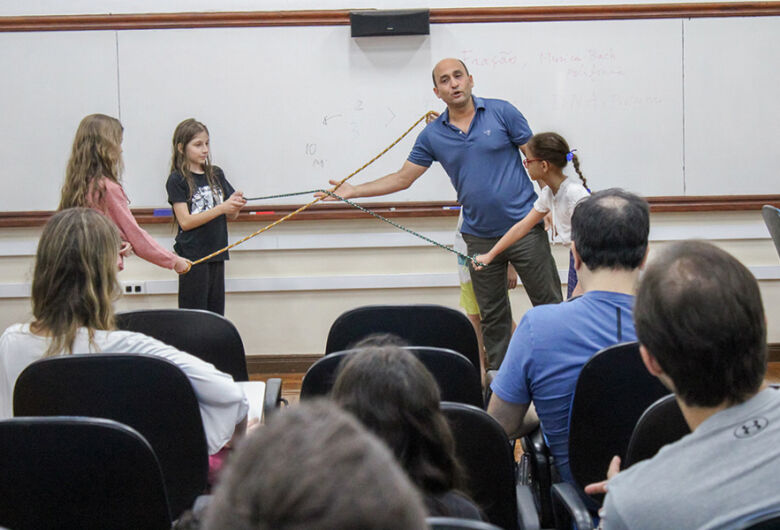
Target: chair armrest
{"x":568,"y":506}
{"x":542,"y":473}
{"x":273,"y":397}
{"x":527,"y":516}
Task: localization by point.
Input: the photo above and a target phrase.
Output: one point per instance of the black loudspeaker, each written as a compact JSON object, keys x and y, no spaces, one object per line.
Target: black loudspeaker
{"x":390,"y":22}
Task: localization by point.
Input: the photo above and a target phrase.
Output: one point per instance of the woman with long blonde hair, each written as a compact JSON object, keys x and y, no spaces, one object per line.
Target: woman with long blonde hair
{"x":92,"y":180}
{"x":73,"y":290}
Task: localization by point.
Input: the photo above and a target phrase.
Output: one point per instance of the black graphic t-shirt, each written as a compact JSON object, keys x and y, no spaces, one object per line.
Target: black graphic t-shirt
{"x":212,"y":236}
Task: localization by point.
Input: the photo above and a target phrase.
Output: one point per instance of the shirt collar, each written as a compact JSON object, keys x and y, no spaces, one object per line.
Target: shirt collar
{"x":479,"y":103}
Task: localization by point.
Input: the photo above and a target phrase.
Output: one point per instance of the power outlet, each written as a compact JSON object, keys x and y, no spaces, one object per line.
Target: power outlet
{"x":133,"y":288}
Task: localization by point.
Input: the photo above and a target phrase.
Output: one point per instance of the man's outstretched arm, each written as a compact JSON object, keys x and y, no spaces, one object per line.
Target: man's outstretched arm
{"x":400,"y":180}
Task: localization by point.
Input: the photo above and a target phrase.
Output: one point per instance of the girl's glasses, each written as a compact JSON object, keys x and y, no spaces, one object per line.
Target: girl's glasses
{"x":527,"y":161}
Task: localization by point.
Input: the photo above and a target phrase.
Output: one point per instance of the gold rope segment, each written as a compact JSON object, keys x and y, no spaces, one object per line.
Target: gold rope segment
{"x":425,"y":116}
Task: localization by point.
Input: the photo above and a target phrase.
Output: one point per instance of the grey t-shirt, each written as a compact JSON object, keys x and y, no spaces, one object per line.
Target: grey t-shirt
{"x":717,"y":476}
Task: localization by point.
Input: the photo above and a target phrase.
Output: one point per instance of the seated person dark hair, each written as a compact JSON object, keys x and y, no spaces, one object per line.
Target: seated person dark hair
{"x":395,"y":396}
{"x":610,"y":229}
{"x":702,"y":332}
{"x":314,"y":466}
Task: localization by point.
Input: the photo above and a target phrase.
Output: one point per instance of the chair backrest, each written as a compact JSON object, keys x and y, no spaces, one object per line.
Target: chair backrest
{"x":204,"y":334}
{"x":486,"y":455}
{"x":70,"y":472}
{"x":419,"y":325}
{"x":613,"y":390}
{"x":149,"y":394}
{"x":661,"y":424}
{"x":763,"y":521}
{"x":457,"y":378}
{"x":453,"y":523}
{"x":772,"y":220}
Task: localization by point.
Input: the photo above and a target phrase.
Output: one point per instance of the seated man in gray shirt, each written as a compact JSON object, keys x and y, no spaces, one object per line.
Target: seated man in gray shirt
{"x":702,"y":330}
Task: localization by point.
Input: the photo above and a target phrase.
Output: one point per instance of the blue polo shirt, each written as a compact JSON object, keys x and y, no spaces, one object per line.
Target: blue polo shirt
{"x":483,"y":164}
{"x":546,"y":355}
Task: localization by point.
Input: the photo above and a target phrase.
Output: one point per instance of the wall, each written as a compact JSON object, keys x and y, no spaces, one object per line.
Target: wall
{"x":284,"y":298}
{"x":57,"y":7}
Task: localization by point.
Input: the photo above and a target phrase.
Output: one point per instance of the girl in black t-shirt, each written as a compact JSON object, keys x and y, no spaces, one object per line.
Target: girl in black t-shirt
{"x":202,"y":201}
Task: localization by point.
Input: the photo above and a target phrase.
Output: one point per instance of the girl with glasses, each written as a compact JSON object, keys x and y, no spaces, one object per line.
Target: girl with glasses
{"x":548,"y":153}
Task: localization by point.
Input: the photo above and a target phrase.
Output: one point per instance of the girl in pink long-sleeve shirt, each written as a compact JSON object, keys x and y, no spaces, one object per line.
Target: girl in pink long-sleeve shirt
{"x":92,"y":180}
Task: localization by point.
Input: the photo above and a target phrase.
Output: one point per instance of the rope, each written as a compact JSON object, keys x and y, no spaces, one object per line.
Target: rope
{"x":329,"y":193}
{"x":381,"y":218}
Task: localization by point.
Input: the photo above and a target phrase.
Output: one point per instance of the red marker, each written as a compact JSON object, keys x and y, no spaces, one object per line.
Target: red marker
{"x":261,"y":213}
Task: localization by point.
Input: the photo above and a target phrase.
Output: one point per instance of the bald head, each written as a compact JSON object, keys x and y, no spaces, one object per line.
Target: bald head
{"x":446,"y":65}
{"x":610,"y":229}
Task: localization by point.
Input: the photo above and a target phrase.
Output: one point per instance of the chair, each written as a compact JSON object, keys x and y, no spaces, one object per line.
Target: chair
{"x":661,"y":424}
{"x":71,"y":472}
{"x":613,"y":390}
{"x":484,"y":451}
{"x":204,"y":334}
{"x":419,"y":325}
{"x":149,"y":394}
{"x":542,"y":474}
{"x":772,"y":220}
{"x":453,"y":523}
{"x":456,"y":377}
{"x":764,"y":521}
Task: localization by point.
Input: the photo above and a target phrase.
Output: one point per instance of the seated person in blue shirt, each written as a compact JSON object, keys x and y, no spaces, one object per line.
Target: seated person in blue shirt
{"x":552,"y":343}
{"x":478,"y":141}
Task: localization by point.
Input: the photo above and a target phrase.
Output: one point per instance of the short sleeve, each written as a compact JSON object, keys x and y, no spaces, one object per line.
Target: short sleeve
{"x":544,"y":201}
{"x":177,"y":189}
{"x":422,"y":154}
{"x":227,"y":189}
{"x":516,"y":124}
{"x":511,"y":382}
{"x":610,"y":517}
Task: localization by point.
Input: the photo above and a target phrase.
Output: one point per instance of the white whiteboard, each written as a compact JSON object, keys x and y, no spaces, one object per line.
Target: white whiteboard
{"x":289,"y":108}
{"x":50,"y":82}
{"x":732,"y":102}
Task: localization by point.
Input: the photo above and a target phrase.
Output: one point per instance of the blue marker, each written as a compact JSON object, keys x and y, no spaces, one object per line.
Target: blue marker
{"x":450,"y":207}
{"x":162,"y":212}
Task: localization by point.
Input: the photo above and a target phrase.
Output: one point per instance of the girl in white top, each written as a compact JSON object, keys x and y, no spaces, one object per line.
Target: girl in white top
{"x":547,"y":155}
{"x":74,"y":285}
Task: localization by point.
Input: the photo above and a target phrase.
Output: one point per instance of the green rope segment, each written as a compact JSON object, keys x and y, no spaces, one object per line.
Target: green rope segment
{"x":366,"y":210}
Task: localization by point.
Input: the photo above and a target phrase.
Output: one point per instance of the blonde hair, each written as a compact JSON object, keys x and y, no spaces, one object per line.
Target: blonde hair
{"x":183,"y":135}
{"x":96,"y":153}
{"x":75,"y":278}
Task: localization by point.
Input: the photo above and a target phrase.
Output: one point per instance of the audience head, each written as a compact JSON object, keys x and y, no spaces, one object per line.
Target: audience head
{"x":698,"y":312}
{"x":394,"y":395}
{"x":610,"y":228}
{"x":313,"y":466}
{"x":96,"y":153}
{"x":75,"y":277}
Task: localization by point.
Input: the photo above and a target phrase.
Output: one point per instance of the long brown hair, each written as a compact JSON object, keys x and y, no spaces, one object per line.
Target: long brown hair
{"x":183,"y":135}
{"x":96,"y":153}
{"x":394,"y":395}
{"x":552,"y":147}
{"x":74,"y":283}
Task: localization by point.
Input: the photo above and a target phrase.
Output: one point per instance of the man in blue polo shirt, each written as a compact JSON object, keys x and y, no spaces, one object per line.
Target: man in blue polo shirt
{"x":476,"y":140}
